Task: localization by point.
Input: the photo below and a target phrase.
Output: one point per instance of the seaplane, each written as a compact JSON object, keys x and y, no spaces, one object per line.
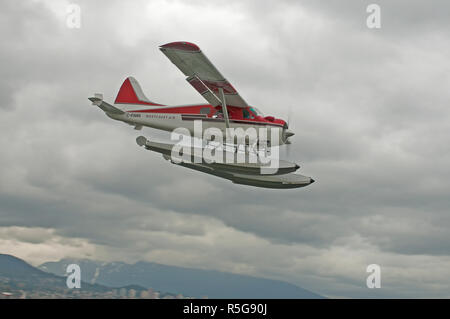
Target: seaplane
{"x":225,"y":111}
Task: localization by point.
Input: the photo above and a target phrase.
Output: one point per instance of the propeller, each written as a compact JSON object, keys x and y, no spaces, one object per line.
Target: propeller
{"x":289,"y":115}
{"x":287,"y":133}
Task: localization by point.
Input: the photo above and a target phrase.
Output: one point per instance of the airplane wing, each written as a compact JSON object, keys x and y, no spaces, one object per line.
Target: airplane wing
{"x":202,"y":74}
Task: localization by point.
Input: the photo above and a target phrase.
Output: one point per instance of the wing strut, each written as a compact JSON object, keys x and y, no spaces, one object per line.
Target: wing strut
{"x":224,"y":108}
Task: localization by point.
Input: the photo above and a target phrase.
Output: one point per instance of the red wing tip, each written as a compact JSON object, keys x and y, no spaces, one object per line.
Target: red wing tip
{"x":181,"y":45}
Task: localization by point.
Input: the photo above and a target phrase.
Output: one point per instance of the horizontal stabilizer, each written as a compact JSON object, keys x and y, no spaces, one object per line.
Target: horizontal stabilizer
{"x":106,"y":107}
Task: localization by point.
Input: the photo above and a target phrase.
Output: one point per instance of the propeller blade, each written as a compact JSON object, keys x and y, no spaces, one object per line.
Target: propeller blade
{"x":289,"y":115}
{"x":288,"y":134}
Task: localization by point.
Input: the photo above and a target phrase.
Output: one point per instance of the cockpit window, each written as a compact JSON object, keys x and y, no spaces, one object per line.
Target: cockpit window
{"x":256,"y":111}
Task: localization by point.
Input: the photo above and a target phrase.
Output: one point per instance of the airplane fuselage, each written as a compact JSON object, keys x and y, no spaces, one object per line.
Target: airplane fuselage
{"x":169,"y":118}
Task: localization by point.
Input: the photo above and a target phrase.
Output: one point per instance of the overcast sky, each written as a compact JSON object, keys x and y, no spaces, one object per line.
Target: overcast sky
{"x":370,"y":109}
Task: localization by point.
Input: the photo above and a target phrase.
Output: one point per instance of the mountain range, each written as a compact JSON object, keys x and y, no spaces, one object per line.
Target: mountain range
{"x":142,"y":280}
{"x":19,"y":279}
{"x":188,"y":281}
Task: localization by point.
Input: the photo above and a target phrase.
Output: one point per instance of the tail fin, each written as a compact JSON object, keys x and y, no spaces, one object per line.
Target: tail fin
{"x":131,"y":93}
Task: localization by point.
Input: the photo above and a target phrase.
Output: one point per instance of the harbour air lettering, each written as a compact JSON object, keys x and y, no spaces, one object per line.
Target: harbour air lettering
{"x":194,"y":309}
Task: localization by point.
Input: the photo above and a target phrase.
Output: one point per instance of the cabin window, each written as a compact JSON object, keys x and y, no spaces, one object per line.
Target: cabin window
{"x":245,"y":113}
{"x":205,"y":110}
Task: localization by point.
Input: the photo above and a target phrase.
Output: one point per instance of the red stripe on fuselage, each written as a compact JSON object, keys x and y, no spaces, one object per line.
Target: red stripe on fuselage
{"x":192,"y":110}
